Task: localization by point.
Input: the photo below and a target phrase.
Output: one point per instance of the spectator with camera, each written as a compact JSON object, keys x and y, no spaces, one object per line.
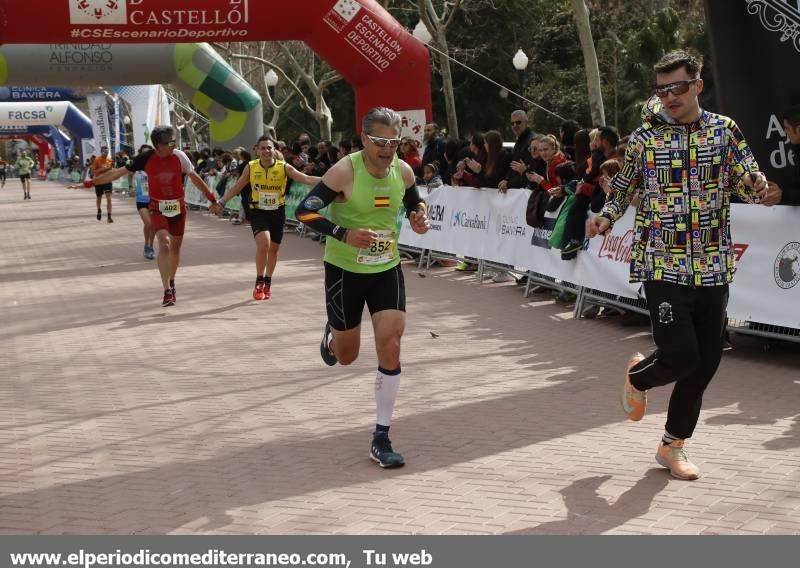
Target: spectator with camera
{"x":468,"y":170}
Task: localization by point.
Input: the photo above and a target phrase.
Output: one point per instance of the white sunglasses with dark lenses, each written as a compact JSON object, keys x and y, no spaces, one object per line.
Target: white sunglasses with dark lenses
{"x":384,"y":142}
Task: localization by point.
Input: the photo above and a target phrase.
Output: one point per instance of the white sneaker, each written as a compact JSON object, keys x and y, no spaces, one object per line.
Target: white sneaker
{"x":502,"y":277}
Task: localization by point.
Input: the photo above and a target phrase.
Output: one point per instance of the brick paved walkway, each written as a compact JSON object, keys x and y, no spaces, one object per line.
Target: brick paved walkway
{"x":217,"y":416}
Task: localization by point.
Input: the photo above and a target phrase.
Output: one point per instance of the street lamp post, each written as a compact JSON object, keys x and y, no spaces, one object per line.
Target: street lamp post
{"x":520,"y":63}
{"x":271,"y":79}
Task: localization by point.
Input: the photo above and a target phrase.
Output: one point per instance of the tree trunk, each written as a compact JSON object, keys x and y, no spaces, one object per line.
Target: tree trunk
{"x":440,"y":41}
{"x":324,"y":117}
{"x":581,"y":14}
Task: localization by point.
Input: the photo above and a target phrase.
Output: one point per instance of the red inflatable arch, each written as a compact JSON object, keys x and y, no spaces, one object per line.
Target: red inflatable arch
{"x":385,"y":64}
{"x":45,"y":149}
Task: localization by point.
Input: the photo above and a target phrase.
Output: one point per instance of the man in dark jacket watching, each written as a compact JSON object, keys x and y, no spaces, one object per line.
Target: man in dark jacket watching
{"x":433,"y":146}
{"x":521,"y":155}
{"x":789,"y":195}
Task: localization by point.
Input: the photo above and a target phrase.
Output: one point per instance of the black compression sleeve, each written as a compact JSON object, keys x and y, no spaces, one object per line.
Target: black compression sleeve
{"x":412,"y":201}
{"x":308,"y":211}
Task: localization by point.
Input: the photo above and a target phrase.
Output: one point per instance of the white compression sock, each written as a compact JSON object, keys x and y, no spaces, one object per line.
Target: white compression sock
{"x":387,"y":385}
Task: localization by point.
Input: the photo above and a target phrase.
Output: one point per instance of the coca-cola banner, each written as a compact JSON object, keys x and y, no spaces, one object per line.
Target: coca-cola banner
{"x":488,"y":225}
{"x":755,"y":47}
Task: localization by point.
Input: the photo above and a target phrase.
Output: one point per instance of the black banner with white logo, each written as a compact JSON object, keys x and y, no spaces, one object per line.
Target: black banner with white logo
{"x":755,"y":47}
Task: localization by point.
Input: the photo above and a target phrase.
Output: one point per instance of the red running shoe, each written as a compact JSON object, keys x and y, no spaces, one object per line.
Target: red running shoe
{"x":258,"y":292}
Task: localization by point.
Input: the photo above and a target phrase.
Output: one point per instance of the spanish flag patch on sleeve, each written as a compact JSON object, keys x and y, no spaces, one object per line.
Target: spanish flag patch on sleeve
{"x":382,"y":201}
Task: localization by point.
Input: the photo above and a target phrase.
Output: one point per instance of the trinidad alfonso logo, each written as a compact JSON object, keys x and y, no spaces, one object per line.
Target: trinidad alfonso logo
{"x":787,"y":266}
{"x":98,"y":12}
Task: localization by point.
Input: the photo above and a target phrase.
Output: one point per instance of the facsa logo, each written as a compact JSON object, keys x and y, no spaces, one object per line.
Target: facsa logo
{"x":98,"y":12}
{"x":27,"y":115}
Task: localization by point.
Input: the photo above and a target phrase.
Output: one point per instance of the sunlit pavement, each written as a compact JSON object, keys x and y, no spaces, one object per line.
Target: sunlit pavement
{"x":218,"y":416}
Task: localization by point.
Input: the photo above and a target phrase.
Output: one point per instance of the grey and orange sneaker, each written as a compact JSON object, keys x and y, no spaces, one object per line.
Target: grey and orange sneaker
{"x":673,"y":457}
{"x":634,"y":402}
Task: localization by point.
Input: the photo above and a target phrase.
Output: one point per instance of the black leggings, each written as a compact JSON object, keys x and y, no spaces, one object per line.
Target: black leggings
{"x":688,"y":324}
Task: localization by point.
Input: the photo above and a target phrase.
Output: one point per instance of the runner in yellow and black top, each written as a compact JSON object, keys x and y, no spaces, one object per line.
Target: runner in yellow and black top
{"x":267,"y":178}
{"x":362,"y":263}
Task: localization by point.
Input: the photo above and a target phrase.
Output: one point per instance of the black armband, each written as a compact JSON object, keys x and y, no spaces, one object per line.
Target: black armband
{"x":412,"y":201}
{"x":308,"y":212}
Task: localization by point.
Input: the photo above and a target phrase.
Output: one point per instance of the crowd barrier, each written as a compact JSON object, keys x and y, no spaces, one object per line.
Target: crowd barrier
{"x":490,"y":227}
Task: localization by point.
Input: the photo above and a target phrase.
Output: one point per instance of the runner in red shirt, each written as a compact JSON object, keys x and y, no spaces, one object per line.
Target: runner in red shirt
{"x":165,"y":167}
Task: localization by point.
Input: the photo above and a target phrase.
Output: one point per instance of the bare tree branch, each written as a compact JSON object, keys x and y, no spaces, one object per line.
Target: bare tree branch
{"x":453,"y":13}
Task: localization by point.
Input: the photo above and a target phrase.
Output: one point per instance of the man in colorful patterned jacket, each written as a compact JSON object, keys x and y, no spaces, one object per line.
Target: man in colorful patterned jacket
{"x":684,"y":163}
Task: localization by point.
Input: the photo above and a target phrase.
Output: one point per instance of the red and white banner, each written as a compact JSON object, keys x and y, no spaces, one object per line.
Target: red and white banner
{"x":386,"y":65}
{"x":488,"y":225}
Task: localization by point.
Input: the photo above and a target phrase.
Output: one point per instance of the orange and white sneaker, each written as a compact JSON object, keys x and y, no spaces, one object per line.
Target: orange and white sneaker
{"x":258,"y":292}
{"x":634,"y":402}
{"x":673,"y":457}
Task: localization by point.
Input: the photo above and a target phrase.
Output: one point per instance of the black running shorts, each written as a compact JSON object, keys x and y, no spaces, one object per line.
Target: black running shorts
{"x":100,"y":190}
{"x":347,"y":292}
{"x":272,"y":221}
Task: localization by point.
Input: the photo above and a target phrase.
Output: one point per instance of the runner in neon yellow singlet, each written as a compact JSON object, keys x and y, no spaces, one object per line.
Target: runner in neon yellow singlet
{"x":267,"y":178}
{"x":24,"y":166}
{"x":365,"y":191}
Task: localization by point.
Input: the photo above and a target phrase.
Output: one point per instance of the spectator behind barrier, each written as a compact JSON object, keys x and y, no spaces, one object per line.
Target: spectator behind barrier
{"x":550,"y":152}
{"x":520,"y":156}
{"x":430,"y":177}
{"x":452,"y":154}
{"x":433,"y":146}
{"x":410,"y":154}
{"x":469,"y":169}
{"x":498,"y":161}
{"x":789,"y":195}
{"x":344,"y":149}
{"x":567,"y":132}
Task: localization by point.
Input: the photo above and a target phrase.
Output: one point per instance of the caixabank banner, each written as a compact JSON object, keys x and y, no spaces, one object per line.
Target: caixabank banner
{"x":755,"y":48}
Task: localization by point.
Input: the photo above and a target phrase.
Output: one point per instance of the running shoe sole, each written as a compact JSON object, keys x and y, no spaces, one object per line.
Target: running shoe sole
{"x":386,"y":466}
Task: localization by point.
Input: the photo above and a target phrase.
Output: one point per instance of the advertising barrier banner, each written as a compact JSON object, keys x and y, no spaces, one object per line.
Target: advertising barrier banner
{"x":489,"y":225}
{"x":101,"y":123}
{"x":766,"y":286}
